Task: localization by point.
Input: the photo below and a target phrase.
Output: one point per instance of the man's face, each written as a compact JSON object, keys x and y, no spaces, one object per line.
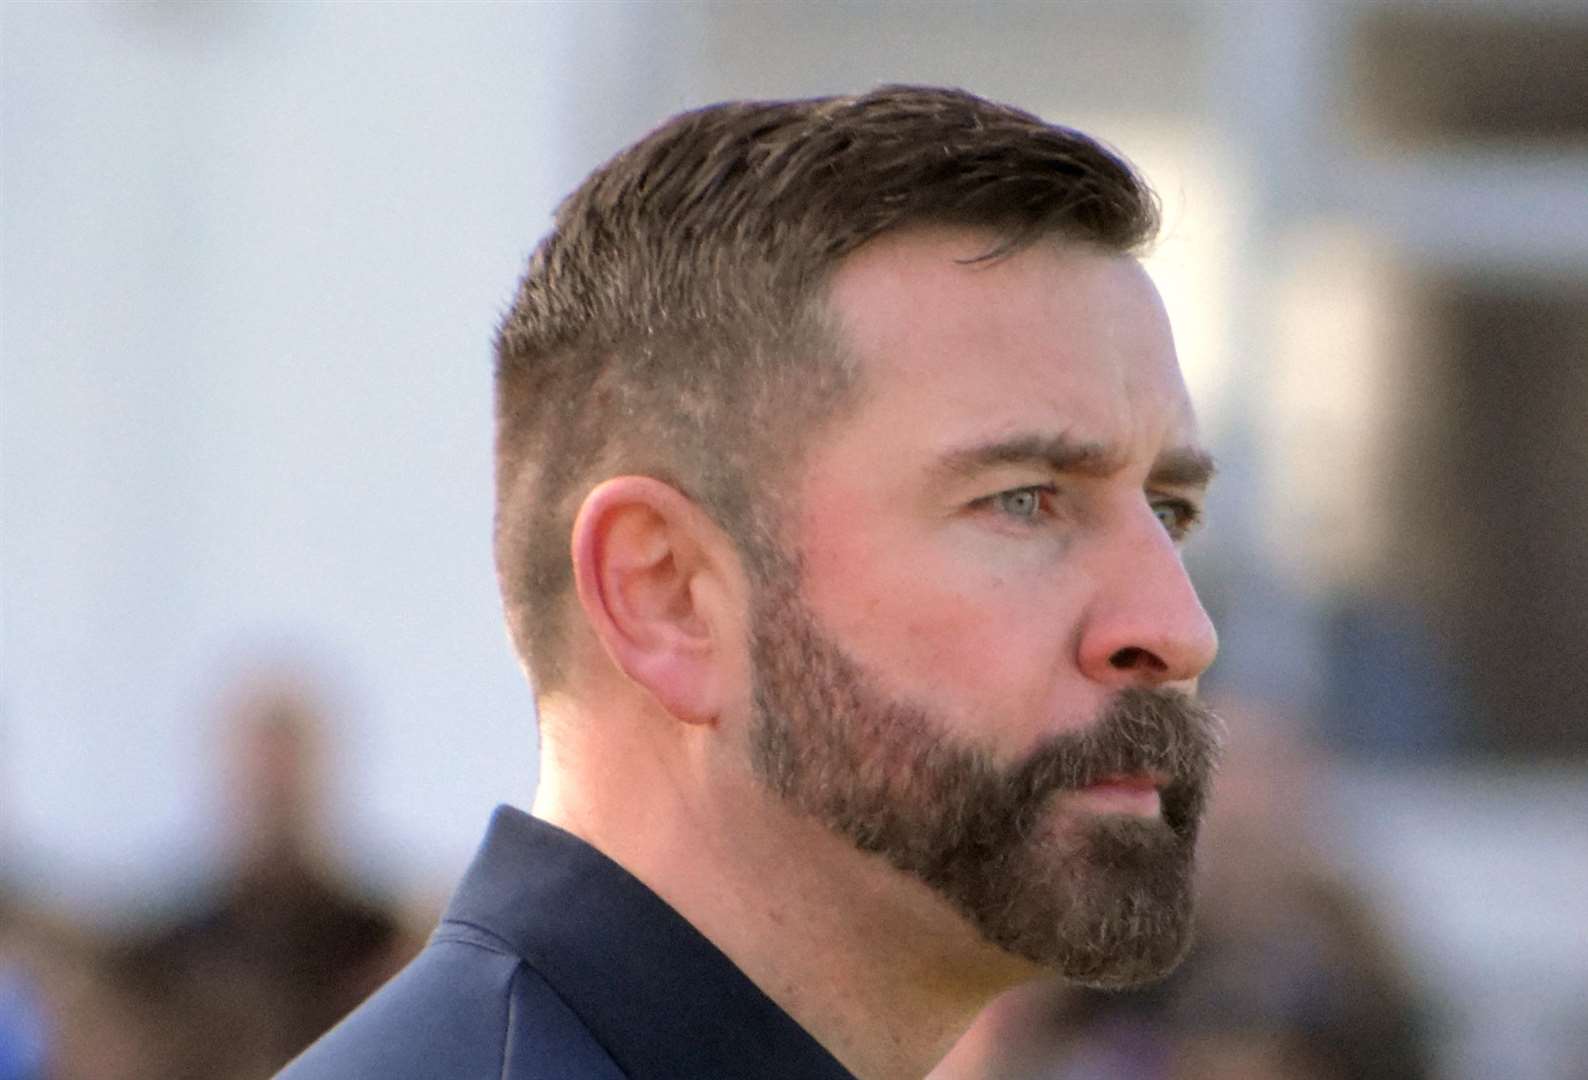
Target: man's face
{"x":977,"y":664}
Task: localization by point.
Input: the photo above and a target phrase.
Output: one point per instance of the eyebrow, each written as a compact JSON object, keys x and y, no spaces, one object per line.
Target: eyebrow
{"x":1183,"y":466}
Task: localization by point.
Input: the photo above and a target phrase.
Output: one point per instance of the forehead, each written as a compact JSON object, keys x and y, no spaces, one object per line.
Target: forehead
{"x":1055,"y":338}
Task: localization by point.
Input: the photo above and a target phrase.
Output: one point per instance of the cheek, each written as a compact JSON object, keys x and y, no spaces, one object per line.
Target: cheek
{"x":939,"y":627}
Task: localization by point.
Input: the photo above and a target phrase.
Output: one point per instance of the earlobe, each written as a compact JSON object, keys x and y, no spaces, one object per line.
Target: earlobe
{"x":647,"y":565}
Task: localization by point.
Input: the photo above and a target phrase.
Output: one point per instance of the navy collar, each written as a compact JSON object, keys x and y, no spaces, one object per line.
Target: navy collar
{"x":661,"y":998}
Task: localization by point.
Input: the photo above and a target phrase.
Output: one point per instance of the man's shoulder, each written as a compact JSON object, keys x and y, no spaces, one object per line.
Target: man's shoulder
{"x":466,"y":1007}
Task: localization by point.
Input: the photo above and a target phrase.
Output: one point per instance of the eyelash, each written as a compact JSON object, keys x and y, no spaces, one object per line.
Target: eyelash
{"x":1042,"y":492}
{"x":1187,"y":515}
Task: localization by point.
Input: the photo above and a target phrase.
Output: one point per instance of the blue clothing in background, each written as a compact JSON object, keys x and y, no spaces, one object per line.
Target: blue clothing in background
{"x":22,"y":1028}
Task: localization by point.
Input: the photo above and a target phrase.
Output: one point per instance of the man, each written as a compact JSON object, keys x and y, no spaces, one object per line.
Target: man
{"x":843,"y":463}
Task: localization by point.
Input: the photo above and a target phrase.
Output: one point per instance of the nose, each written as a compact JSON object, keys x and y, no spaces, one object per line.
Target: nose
{"x":1145,"y":625}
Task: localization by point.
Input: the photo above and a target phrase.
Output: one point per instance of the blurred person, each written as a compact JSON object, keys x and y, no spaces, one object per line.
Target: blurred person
{"x":23,"y":1017}
{"x":1314,"y":993}
{"x":62,"y":1016}
{"x":843,"y":466}
{"x":283,"y":948}
{"x":97,"y":1027}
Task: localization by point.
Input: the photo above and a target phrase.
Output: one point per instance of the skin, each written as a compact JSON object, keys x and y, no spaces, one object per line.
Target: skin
{"x":1013,"y":591}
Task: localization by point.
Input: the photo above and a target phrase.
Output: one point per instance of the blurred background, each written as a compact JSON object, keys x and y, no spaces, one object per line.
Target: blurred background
{"x":255,"y":698}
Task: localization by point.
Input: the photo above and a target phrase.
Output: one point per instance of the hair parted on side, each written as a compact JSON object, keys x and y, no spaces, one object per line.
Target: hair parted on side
{"x":672,"y":322}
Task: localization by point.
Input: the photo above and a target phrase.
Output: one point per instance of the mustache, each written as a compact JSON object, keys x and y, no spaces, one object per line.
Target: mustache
{"x":1142,"y":731}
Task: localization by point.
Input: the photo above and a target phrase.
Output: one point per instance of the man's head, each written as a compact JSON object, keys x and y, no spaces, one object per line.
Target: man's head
{"x":896,"y":350}
{"x":674,"y":323}
{"x":981,"y":671}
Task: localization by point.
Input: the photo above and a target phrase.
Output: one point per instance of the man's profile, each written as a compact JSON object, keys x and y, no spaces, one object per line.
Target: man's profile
{"x":843,"y":461}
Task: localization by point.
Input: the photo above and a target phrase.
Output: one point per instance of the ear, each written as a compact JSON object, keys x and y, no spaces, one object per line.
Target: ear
{"x":659,"y":584}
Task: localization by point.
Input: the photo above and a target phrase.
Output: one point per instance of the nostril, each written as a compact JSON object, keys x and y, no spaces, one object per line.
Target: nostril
{"x":1133,"y":658}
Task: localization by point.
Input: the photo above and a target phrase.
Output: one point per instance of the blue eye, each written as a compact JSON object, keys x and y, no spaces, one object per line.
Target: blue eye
{"x":1023,"y":503}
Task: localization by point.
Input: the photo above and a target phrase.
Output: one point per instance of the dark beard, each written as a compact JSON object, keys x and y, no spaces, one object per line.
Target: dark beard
{"x":1105,"y":900}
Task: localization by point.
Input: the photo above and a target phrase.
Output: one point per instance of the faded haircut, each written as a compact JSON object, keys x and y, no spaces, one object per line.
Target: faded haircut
{"x":672,"y":323}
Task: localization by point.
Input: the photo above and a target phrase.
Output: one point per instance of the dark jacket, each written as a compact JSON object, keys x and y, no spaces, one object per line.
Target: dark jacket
{"x":554,"y":963}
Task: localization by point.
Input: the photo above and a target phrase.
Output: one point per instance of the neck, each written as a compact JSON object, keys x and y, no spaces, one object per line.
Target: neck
{"x":874,"y":965}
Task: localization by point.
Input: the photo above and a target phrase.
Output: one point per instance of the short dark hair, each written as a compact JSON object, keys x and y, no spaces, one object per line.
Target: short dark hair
{"x":672,"y":323}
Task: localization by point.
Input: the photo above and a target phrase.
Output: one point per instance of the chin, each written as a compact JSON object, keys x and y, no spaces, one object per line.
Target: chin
{"x":1133,"y":971}
{"x":1113,"y":909}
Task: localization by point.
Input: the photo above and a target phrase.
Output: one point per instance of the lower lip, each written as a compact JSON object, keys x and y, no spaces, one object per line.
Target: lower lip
{"x":1121,"y":796}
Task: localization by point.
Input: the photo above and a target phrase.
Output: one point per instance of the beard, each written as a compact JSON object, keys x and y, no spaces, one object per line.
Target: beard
{"x":1105,"y":900}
